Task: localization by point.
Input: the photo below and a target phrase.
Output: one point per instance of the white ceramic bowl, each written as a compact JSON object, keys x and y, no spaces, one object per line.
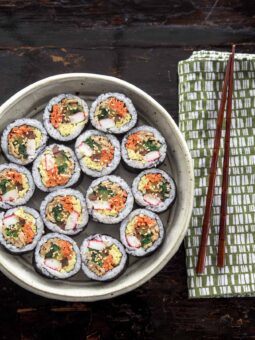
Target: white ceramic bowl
{"x":30,"y":102}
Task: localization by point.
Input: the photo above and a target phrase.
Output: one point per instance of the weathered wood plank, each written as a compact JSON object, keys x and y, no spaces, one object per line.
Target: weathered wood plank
{"x":233,"y":13}
{"x":19,"y":35}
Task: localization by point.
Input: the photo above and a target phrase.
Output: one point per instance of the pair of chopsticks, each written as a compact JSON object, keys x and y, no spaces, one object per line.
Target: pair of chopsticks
{"x":227,"y":92}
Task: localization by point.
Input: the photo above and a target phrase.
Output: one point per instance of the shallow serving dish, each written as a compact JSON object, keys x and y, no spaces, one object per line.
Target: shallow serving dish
{"x":30,"y":102}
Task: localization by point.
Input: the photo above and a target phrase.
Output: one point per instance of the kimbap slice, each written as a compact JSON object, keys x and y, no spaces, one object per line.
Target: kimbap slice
{"x":154,"y":189}
{"x":143,"y":147}
{"x":98,"y":153}
{"x":103,"y":257}
{"x":113,"y":112}
{"x":57,"y":256}
{"x":64,"y":211}
{"x":65,"y":117}
{"x":109,"y":199}
{"x":16,"y":185}
{"x":20,"y":229}
{"x":23,"y":140}
{"x":55,"y":168}
{"x":142,"y":232}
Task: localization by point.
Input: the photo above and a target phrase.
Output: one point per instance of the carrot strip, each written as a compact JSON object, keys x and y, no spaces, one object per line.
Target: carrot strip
{"x":107,"y":265}
{"x":144,"y":220}
{"x":106,"y":156}
{"x":15,"y":176}
{"x":28,"y":231}
{"x":132,"y":141}
{"x":66,"y":248}
{"x":55,"y":117}
{"x":117,"y":202}
{"x":118,"y":106}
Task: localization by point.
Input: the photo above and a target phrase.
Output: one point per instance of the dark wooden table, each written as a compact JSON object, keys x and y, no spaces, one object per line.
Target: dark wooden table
{"x":140,"y":41}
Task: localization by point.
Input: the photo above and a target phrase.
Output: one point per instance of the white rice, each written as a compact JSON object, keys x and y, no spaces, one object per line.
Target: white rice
{"x":37,"y":176}
{"x":104,"y":218}
{"x":129,"y":105}
{"x":51,"y":273}
{"x":139,"y":196}
{"x":54,"y":227}
{"x":144,"y":165}
{"x":141,"y":251}
{"x":24,"y":121}
{"x":30,"y":192}
{"x":39,"y":231}
{"x":111,"y":274}
{"x":111,"y":166}
{"x":54,"y":133}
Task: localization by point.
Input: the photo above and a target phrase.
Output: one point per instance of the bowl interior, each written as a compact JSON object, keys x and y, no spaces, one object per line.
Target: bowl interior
{"x":30,"y":102}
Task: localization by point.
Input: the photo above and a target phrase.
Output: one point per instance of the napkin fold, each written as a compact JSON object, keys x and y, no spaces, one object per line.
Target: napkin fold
{"x":200,"y":84}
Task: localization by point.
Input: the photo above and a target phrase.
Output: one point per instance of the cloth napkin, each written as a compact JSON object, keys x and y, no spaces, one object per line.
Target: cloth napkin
{"x":200,"y":84}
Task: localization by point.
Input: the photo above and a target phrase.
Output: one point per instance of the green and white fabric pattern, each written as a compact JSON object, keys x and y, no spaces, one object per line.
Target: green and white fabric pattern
{"x":200,"y":84}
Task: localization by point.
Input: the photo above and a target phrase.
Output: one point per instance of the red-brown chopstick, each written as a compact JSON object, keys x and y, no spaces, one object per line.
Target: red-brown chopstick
{"x":212,"y":177}
{"x":224,"y":193}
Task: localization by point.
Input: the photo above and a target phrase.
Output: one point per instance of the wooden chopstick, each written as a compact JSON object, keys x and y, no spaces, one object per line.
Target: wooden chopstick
{"x":224,"y":193}
{"x":209,"y":198}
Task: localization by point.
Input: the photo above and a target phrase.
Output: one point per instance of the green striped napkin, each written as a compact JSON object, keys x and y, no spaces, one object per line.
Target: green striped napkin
{"x":200,"y":83}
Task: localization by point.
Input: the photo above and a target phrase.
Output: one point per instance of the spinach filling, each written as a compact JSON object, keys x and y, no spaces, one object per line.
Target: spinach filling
{"x":146,"y":239}
{"x":93,"y":144}
{"x":151,"y":145}
{"x":58,"y":213}
{"x":70,"y":109}
{"x":4,"y":186}
{"x":104,"y":113}
{"x":104,"y":192}
{"x":164,"y":190}
{"x":51,"y":253}
{"x":61,"y":161}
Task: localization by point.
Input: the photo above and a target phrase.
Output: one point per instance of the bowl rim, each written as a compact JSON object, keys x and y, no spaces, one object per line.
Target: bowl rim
{"x":31,"y":285}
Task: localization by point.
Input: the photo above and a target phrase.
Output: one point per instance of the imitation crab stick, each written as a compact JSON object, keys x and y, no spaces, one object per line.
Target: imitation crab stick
{"x":85,"y":149}
{"x":72,"y":220}
{"x":53,"y":264}
{"x":10,"y":220}
{"x":77,"y":118}
{"x":152,"y":200}
{"x":10,"y":195}
{"x":96,"y":244}
{"x":152,"y":156}
{"x":133,"y":241}
{"x":107,"y":123}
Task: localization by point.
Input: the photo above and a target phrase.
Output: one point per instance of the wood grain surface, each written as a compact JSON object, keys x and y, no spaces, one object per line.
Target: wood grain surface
{"x":139,"y":41}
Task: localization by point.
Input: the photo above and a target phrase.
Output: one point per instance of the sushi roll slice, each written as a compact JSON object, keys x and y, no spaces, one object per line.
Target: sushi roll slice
{"x":98,"y":153}
{"x":20,"y":229}
{"x":57,"y":256}
{"x":23,"y":140}
{"x":143,"y":147}
{"x":103,"y":257}
{"x":56,"y":168}
{"x":113,"y":112}
{"x":154,"y":189}
{"x":109,"y":199}
{"x":65,"y":117}
{"x":64,"y":211}
{"x":142,"y":232}
{"x":16,"y":185}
